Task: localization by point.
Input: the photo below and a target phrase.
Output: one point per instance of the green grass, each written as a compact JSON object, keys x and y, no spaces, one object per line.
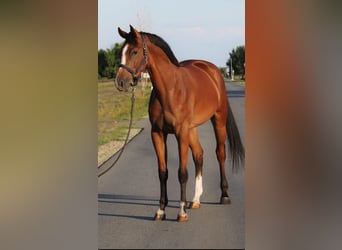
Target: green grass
{"x":114,"y":110}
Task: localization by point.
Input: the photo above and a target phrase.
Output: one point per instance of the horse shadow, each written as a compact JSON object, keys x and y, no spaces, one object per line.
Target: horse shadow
{"x":135,"y":201}
{"x":137,"y":217}
{"x":235,"y":93}
{"x":138,"y":201}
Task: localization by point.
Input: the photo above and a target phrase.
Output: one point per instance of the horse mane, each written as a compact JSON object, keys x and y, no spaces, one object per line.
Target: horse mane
{"x":158,"y":41}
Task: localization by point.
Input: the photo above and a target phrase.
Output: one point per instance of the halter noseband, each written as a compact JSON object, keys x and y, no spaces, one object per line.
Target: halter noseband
{"x":142,"y":63}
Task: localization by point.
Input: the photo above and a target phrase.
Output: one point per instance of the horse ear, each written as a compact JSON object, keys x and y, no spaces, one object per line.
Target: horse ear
{"x":133,"y":31}
{"x":122,"y":33}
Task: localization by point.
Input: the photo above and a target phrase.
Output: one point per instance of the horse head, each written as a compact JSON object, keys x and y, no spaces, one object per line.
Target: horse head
{"x":133,"y":59}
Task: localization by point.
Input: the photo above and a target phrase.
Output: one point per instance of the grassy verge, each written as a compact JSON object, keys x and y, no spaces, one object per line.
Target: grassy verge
{"x":114,"y":110}
{"x":236,"y":80}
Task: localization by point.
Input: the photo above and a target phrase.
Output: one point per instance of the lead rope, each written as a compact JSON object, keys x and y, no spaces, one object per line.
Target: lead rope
{"x":126,"y":140}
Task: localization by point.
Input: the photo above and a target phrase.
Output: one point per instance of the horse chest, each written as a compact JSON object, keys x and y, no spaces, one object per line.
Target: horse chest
{"x":166,"y":121}
{"x":168,"y":116}
{"x":169,"y":122}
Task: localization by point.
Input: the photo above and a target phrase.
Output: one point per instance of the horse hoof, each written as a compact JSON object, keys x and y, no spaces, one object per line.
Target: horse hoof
{"x":194,"y":205}
{"x":182,"y":218}
{"x":225,"y":200}
{"x":159,"y":217}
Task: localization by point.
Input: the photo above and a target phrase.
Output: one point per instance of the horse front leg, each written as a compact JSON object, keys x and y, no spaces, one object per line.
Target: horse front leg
{"x":159,"y":143}
{"x":183,"y":147}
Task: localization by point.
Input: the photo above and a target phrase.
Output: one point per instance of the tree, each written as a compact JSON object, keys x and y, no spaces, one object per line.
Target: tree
{"x":237,"y":60}
{"x":102,"y":63}
{"x":223,"y":71}
{"x":108,"y":61}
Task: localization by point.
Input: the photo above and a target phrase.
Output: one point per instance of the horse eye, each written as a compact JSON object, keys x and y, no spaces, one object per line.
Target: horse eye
{"x":134,"y":52}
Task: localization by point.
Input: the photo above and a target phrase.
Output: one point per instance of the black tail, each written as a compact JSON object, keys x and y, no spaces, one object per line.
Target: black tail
{"x":236,"y":149}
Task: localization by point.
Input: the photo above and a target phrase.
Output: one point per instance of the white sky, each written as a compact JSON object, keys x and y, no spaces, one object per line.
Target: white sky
{"x":194,"y":29}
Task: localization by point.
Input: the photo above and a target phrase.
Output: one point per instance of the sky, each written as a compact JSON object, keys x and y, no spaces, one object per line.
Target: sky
{"x":194,"y":29}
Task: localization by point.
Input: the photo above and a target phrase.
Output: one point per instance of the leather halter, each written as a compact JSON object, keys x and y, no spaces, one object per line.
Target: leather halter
{"x":142,"y":63}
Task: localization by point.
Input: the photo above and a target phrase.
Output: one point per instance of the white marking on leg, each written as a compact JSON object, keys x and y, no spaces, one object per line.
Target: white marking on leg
{"x":160,"y":212}
{"x":198,"y":189}
{"x":123,"y":58}
{"x":182,"y":208}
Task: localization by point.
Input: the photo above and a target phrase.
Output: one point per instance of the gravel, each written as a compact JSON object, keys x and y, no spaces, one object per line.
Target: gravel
{"x":107,"y":150}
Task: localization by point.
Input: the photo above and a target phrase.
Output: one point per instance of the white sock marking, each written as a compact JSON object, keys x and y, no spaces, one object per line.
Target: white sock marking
{"x":182,"y":208}
{"x":198,"y":189}
{"x":160,"y":212}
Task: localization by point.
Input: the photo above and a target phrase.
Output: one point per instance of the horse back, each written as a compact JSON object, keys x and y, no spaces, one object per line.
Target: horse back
{"x":208,"y":88}
{"x":206,"y":73}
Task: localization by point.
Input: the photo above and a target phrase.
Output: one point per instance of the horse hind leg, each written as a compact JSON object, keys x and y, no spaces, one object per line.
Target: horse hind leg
{"x":219,"y":123}
{"x":197,"y":155}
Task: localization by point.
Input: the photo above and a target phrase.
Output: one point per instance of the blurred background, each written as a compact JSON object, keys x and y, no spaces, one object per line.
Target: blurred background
{"x":48,"y":131}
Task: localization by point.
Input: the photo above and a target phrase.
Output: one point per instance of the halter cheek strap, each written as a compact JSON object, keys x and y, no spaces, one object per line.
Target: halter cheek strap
{"x":142,"y":63}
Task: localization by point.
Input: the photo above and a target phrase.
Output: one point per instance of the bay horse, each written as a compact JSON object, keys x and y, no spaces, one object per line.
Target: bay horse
{"x":185,"y":95}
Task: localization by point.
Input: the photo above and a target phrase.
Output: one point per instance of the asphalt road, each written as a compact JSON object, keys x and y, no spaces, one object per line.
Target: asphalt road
{"x":128,"y":196}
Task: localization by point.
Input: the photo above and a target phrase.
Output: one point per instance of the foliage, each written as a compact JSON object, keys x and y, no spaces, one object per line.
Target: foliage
{"x":108,"y":61}
{"x":237,"y":60}
{"x":102,"y":63}
{"x":224,"y":71}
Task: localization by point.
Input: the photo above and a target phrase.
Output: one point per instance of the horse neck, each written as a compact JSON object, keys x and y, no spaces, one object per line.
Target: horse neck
{"x":161,"y":70}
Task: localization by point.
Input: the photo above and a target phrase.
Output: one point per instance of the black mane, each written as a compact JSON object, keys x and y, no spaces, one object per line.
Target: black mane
{"x":158,"y":41}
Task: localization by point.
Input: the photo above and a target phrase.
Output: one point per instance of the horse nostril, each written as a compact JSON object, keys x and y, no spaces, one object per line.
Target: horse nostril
{"x":121,"y":84}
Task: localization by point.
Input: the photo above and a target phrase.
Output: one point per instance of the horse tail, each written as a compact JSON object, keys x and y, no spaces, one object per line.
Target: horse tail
{"x":236,"y":148}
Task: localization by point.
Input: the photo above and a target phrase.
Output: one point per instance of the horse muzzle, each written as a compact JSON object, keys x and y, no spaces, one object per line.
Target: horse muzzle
{"x":124,"y":84}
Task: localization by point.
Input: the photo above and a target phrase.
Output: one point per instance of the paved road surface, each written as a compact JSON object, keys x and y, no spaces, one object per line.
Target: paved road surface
{"x":128,"y":196}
